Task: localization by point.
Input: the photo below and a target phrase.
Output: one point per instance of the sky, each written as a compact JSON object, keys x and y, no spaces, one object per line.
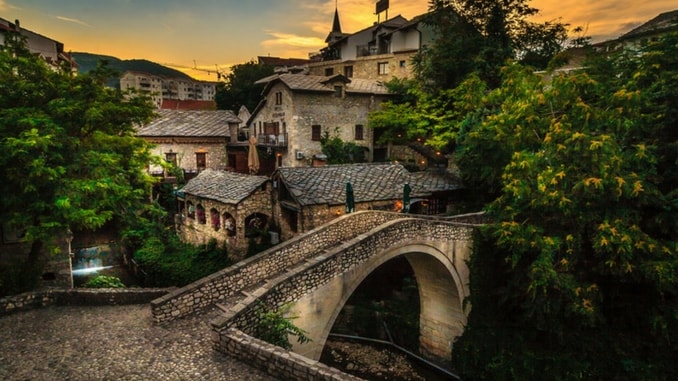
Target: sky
{"x":217,"y":34}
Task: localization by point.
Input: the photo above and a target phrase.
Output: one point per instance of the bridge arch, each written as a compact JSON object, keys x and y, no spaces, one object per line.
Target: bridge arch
{"x":442,"y":288}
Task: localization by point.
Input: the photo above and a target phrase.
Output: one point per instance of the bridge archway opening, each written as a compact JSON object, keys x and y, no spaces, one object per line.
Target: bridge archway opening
{"x":440,"y":289}
{"x":384,"y":306}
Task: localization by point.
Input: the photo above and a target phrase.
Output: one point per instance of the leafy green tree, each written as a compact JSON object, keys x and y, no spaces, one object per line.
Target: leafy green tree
{"x":68,"y":148}
{"x":577,"y":277}
{"x":480,"y":36}
{"x":239,"y":87}
{"x":339,"y":151}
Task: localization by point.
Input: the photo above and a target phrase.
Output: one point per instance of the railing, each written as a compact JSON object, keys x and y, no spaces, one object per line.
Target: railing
{"x":279,"y":140}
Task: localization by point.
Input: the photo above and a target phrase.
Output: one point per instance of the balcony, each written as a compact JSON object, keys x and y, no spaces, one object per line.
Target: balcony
{"x":271,"y":140}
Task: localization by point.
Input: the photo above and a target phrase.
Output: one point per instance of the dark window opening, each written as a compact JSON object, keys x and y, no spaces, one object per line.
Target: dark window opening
{"x":359,"y":132}
{"x":315,"y":132}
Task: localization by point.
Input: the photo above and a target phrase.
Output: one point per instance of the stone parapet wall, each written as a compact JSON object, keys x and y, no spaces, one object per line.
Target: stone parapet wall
{"x":79,"y":296}
{"x":321,"y":269}
{"x":276,"y":361}
{"x":265,"y":265}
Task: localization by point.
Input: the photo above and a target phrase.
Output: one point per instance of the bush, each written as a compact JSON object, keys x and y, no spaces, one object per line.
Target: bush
{"x":104,"y":281}
{"x":276,"y":329}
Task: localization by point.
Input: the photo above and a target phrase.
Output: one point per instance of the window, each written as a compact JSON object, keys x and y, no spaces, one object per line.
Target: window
{"x":278,"y":98}
{"x":359,"y":132}
{"x":171,"y":157}
{"x":382,"y":68}
{"x":201,"y":160}
{"x":403,"y":64}
{"x":338,"y":91}
{"x":315,"y":132}
{"x":200,"y":214}
{"x":215,"y":219}
{"x":329,"y":71}
{"x":348,"y":71}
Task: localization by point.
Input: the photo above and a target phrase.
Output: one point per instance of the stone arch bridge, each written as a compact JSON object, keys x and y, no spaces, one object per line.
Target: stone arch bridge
{"x":315,"y":274}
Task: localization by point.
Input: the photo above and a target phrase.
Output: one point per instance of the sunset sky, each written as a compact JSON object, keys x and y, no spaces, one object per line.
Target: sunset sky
{"x":221,"y":33}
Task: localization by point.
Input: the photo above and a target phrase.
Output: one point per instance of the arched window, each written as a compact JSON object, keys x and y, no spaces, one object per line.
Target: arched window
{"x":200,"y":213}
{"x":215,"y":219}
{"x":255,"y":223}
{"x":191,"y":210}
{"x":229,"y":224}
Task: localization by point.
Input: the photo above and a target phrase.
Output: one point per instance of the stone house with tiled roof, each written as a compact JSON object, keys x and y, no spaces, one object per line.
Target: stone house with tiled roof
{"x":226,"y":206}
{"x":298,"y":109}
{"x":305,"y":198}
{"x":192,"y":140}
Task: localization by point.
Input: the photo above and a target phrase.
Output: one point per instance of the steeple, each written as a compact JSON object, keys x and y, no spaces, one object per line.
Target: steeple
{"x":336,"y":26}
{"x":336,"y":33}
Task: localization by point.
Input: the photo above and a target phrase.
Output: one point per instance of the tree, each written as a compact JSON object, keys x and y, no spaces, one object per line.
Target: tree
{"x":239,"y":88}
{"x":480,"y":36}
{"x":68,"y":149}
{"x":577,"y":276}
{"x":339,"y":151}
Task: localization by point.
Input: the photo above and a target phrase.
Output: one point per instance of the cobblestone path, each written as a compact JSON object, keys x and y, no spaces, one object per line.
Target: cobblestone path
{"x":112,"y":343}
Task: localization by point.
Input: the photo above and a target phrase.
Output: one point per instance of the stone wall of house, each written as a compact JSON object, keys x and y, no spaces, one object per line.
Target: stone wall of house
{"x":250,"y":271}
{"x":79,"y":296}
{"x":235,"y":240}
{"x":57,"y":268}
{"x":399,"y":65}
{"x":276,"y":361}
{"x":186,"y":149}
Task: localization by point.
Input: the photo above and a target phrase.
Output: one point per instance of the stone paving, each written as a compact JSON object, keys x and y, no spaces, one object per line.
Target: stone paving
{"x":112,"y":343}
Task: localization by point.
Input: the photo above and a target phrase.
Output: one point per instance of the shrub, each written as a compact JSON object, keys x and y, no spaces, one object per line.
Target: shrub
{"x":104,"y":281}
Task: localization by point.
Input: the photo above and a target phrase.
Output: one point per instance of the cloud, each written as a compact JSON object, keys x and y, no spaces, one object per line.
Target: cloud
{"x":72,"y":20}
{"x":292,"y":40}
{"x":5,"y":6}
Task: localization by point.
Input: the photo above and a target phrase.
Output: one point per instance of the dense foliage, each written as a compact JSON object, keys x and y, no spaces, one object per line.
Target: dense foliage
{"x":339,"y":151}
{"x":577,"y":277}
{"x":239,"y":88}
{"x":68,"y":149}
{"x":104,"y":281}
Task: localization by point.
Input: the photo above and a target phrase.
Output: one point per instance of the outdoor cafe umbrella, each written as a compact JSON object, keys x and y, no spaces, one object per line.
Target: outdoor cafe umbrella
{"x":406,"y":198}
{"x":350,"y":200}
{"x":253,"y":156}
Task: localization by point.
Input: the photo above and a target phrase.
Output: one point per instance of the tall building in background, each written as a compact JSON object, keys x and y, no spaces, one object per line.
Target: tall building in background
{"x":52,"y":51}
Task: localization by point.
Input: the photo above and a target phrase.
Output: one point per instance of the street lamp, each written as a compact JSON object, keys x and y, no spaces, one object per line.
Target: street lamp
{"x":69,"y":238}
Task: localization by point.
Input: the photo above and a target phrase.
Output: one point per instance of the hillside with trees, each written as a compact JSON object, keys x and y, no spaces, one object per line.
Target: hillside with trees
{"x":88,"y":62}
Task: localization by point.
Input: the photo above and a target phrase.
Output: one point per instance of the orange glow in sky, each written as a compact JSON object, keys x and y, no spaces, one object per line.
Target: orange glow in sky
{"x":211,"y":34}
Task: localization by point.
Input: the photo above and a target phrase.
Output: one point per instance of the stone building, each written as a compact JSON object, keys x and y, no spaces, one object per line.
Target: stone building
{"x":380,"y":52}
{"x":160,"y":87}
{"x":298,"y":109}
{"x":226,"y":206}
{"x":305,"y":198}
{"x":192,"y":140}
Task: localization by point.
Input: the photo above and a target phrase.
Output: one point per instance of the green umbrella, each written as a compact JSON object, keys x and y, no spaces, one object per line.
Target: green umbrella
{"x":406,"y":198}
{"x":350,"y":200}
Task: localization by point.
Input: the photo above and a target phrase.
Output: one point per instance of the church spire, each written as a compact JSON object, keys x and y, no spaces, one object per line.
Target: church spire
{"x":336,"y":33}
{"x":336,"y":26}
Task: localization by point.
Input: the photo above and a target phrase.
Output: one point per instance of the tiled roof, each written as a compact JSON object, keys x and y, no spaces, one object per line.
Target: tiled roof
{"x":188,"y":104}
{"x":227,"y":187}
{"x":278,"y":61}
{"x":370,"y":182}
{"x":664,"y":21}
{"x":304,"y":82}
{"x":190,"y":123}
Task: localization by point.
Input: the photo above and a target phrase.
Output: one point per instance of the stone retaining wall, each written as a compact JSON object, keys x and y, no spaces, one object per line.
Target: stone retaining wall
{"x":276,"y":361}
{"x":79,"y":296}
{"x":265,"y":265}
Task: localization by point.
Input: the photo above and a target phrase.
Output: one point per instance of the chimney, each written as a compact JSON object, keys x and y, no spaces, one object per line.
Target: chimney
{"x":17,"y":25}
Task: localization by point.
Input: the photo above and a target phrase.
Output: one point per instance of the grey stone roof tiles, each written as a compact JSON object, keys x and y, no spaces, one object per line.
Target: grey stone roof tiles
{"x":190,"y":123}
{"x":370,"y":182}
{"x":304,"y":82}
{"x":227,"y":187}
